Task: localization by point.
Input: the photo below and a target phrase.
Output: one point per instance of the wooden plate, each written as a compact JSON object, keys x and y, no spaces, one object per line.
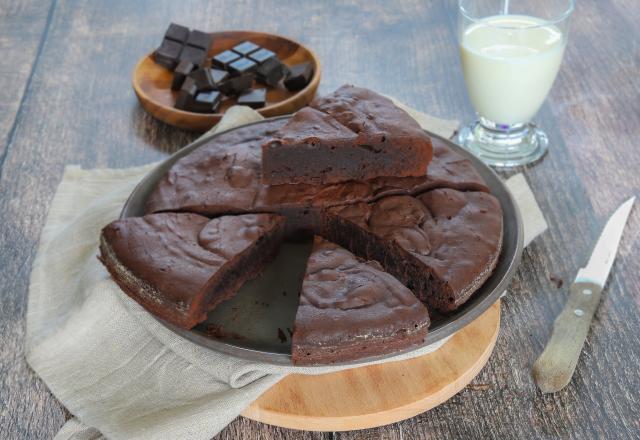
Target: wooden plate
{"x":152,"y":82}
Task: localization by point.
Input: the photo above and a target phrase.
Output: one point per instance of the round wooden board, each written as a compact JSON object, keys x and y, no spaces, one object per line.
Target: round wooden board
{"x":152,"y":83}
{"x":377,"y":395}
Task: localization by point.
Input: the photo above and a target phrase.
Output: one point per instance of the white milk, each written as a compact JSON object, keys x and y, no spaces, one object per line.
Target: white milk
{"x":509,"y":72}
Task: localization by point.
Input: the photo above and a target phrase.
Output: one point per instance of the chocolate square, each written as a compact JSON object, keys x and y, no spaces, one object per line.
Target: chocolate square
{"x":206,"y":102}
{"x":200,"y":39}
{"x":223,"y":59}
{"x":168,"y":54}
{"x":299,"y":76}
{"x":237,"y":84}
{"x":203,"y":79}
{"x":194,"y":54}
{"x":254,"y":98}
{"x":219,"y":75}
{"x":187,"y":94}
{"x":183,"y":69}
{"x":262,"y":55}
{"x":245,"y":48}
{"x":177,"y":33}
{"x":271,"y":72}
{"x":243,"y":65}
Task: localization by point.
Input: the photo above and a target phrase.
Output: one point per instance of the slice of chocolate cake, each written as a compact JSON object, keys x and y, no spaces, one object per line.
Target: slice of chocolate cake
{"x":180,"y":266}
{"x":442,"y":245}
{"x":351,"y":134}
{"x":350,"y":309}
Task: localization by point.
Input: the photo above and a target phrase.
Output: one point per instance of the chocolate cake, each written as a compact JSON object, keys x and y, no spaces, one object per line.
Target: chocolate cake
{"x":351,"y":134}
{"x":350,"y":308}
{"x":180,"y":266}
{"x":223,"y":177}
{"x":442,"y":244}
{"x":212,"y":223}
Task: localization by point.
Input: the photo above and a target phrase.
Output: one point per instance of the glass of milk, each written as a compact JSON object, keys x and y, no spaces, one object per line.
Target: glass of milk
{"x":510,"y":52}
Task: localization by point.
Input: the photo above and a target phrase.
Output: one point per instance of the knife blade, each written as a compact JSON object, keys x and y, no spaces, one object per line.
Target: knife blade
{"x":553,"y":370}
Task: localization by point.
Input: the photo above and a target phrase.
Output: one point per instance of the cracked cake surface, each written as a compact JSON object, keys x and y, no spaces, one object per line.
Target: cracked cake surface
{"x":442,"y":244}
{"x":179,"y":266}
{"x":351,"y":308}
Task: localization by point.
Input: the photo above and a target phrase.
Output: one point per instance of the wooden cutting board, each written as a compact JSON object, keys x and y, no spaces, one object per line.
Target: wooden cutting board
{"x":377,"y":395}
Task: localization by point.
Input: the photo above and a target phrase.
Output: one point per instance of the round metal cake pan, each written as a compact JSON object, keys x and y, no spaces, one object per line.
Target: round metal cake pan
{"x":256,"y":323}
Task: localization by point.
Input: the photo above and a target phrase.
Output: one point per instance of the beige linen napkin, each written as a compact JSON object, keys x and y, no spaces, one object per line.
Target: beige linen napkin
{"x":118,"y":371}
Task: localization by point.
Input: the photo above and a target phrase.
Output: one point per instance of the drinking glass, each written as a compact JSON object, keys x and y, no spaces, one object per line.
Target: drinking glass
{"x":510,"y":52}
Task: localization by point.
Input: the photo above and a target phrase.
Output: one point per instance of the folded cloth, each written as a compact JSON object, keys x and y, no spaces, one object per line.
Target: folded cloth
{"x":120,"y":372}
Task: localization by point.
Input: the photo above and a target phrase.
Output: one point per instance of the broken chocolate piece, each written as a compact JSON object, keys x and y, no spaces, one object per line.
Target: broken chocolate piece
{"x":242,"y":65}
{"x":262,"y":55}
{"x":183,"y":69}
{"x":206,"y":102}
{"x":299,"y":76}
{"x":218,"y":75}
{"x":223,"y":59}
{"x":245,"y":48}
{"x":254,"y":98}
{"x":236,"y":84}
{"x":177,"y":33}
{"x":270,"y":72}
{"x":203,"y":79}
{"x":168,"y":54}
{"x":200,"y":39}
{"x":194,"y":54}
{"x":187,"y":94}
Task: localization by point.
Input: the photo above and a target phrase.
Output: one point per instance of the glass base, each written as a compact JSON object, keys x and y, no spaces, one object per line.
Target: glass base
{"x":504,"y":145}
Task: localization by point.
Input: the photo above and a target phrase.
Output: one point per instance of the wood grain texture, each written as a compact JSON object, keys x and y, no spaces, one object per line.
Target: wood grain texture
{"x":79,"y":108}
{"x":380,"y":394}
{"x":152,"y":83}
{"x":22,"y":34}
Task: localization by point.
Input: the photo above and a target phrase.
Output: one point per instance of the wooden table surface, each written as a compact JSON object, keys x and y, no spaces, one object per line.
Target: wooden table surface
{"x":65,"y":98}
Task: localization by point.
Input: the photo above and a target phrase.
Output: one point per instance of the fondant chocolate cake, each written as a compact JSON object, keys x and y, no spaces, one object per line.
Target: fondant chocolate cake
{"x":437,"y":235}
{"x":351,"y":134}
{"x":350,"y":308}
{"x":180,"y":266}
{"x":442,"y":244}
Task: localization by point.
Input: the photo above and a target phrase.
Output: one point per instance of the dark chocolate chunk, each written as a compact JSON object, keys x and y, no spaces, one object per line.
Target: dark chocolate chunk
{"x":187,"y":94}
{"x":203,"y":79}
{"x":177,"y":33}
{"x":183,"y":69}
{"x":254,"y":98}
{"x":237,"y":84}
{"x":200,"y":39}
{"x":262,"y":55}
{"x":194,"y":54}
{"x":270,"y":72}
{"x":168,"y":54}
{"x":299,"y":76}
{"x":223,"y":59}
{"x":218,"y":75}
{"x":206,"y":102}
{"x":245,"y":48}
{"x":243,"y":65}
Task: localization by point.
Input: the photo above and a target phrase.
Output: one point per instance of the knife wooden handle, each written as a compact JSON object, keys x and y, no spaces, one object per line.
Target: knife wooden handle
{"x":555,"y":366}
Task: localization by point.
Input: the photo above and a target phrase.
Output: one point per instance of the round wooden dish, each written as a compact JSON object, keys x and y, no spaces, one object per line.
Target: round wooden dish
{"x":152,"y":83}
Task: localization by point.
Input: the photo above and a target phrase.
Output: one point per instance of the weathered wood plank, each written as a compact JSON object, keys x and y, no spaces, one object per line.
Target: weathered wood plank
{"x":80,"y":109}
{"x":23,"y":26}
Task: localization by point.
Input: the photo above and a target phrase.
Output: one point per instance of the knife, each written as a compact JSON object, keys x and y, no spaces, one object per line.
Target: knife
{"x":555,"y":366}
